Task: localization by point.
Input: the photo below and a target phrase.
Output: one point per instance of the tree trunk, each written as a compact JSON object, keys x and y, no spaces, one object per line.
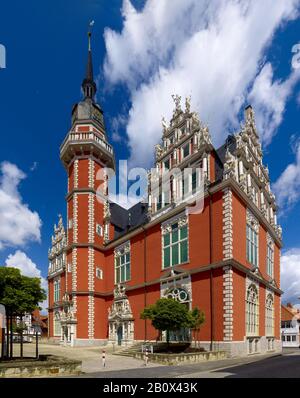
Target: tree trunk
{"x":7,"y":336}
{"x":168,"y":338}
{"x":11,"y":354}
{"x":21,"y":341}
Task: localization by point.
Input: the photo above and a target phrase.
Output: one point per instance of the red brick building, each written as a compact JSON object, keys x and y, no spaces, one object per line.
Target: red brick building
{"x":109,"y":262}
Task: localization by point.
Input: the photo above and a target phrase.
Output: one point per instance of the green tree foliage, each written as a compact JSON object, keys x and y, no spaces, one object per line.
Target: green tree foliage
{"x":170,"y":315}
{"x":19,"y":294}
{"x":197,"y":318}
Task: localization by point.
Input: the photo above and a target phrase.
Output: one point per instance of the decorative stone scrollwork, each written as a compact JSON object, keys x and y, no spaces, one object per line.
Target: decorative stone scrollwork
{"x":203,"y":137}
{"x":159,"y":151}
{"x":164,"y":125}
{"x":252,"y":220}
{"x":167,"y":227}
{"x":243,"y":182}
{"x":195,"y":121}
{"x":106,"y":210}
{"x":229,"y":165}
{"x":278,"y":231}
{"x":124,"y":248}
{"x":264,"y":211}
{"x":119,"y":291}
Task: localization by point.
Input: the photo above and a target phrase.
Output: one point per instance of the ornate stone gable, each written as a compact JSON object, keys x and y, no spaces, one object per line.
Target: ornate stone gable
{"x":182,"y":126}
{"x":245,"y":165}
{"x":56,"y":253}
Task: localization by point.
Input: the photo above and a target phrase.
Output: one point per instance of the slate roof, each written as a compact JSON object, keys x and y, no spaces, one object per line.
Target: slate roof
{"x":127,"y":220}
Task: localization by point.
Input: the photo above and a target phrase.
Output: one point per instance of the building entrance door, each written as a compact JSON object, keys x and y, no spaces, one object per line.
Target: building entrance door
{"x":120,"y":334}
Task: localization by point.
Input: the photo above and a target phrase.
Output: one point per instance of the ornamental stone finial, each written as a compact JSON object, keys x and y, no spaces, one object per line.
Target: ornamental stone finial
{"x":177,"y":102}
{"x":188,"y":104}
{"x":164,"y":125}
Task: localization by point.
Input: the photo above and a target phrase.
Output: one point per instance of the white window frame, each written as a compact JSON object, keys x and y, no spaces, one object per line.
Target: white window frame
{"x":252,"y":239}
{"x":270,"y":257}
{"x":99,"y":273}
{"x":99,"y":230}
{"x":269,"y":322}
{"x":56,"y":326}
{"x":252,"y":310}
{"x":122,"y":263}
{"x":187,"y":144}
{"x":167,"y":229}
{"x":56,"y":294}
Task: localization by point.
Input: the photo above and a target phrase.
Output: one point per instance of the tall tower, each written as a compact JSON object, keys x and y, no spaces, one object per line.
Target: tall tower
{"x":83,"y":153}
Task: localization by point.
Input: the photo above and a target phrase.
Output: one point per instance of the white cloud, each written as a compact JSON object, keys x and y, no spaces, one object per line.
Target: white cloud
{"x":210,"y":49}
{"x":117,"y":123}
{"x":18,"y":224}
{"x":287,"y":186}
{"x":290,"y":275}
{"x":270,"y":97}
{"x":28,"y":268}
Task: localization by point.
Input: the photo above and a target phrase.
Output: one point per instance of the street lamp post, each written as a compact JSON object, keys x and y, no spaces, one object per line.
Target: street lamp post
{"x":36,"y":329}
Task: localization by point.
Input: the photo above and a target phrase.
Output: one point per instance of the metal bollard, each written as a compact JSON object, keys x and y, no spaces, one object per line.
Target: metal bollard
{"x":103,"y":358}
{"x":146,"y":357}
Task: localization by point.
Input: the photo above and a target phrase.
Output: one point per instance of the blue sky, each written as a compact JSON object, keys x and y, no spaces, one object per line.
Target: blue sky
{"x":139,"y":62}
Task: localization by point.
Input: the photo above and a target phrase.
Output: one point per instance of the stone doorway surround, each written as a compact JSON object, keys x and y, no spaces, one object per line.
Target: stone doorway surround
{"x":120,"y":318}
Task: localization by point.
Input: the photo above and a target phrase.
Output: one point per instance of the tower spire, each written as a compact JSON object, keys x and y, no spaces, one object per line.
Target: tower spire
{"x":88,"y":85}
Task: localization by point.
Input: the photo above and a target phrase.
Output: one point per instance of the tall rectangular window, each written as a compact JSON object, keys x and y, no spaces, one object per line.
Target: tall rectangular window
{"x":167,"y":164}
{"x":270,"y":259}
{"x":252,"y":245}
{"x":175,"y":246}
{"x":122,"y":264}
{"x":186,"y":150}
{"x":159,"y":202}
{"x":194,"y":181}
{"x":56,"y":290}
{"x":56,"y":326}
{"x":269,"y":322}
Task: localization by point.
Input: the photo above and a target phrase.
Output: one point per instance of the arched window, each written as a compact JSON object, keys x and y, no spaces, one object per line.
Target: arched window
{"x":56,"y":325}
{"x":178,"y":294}
{"x":269,"y":315}
{"x":252,"y":311}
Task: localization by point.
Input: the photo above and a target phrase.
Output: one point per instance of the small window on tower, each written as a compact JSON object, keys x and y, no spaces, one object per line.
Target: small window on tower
{"x":69,"y":267}
{"x":99,"y":230}
{"x":99,"y":273}
{"x":70,"y":223}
